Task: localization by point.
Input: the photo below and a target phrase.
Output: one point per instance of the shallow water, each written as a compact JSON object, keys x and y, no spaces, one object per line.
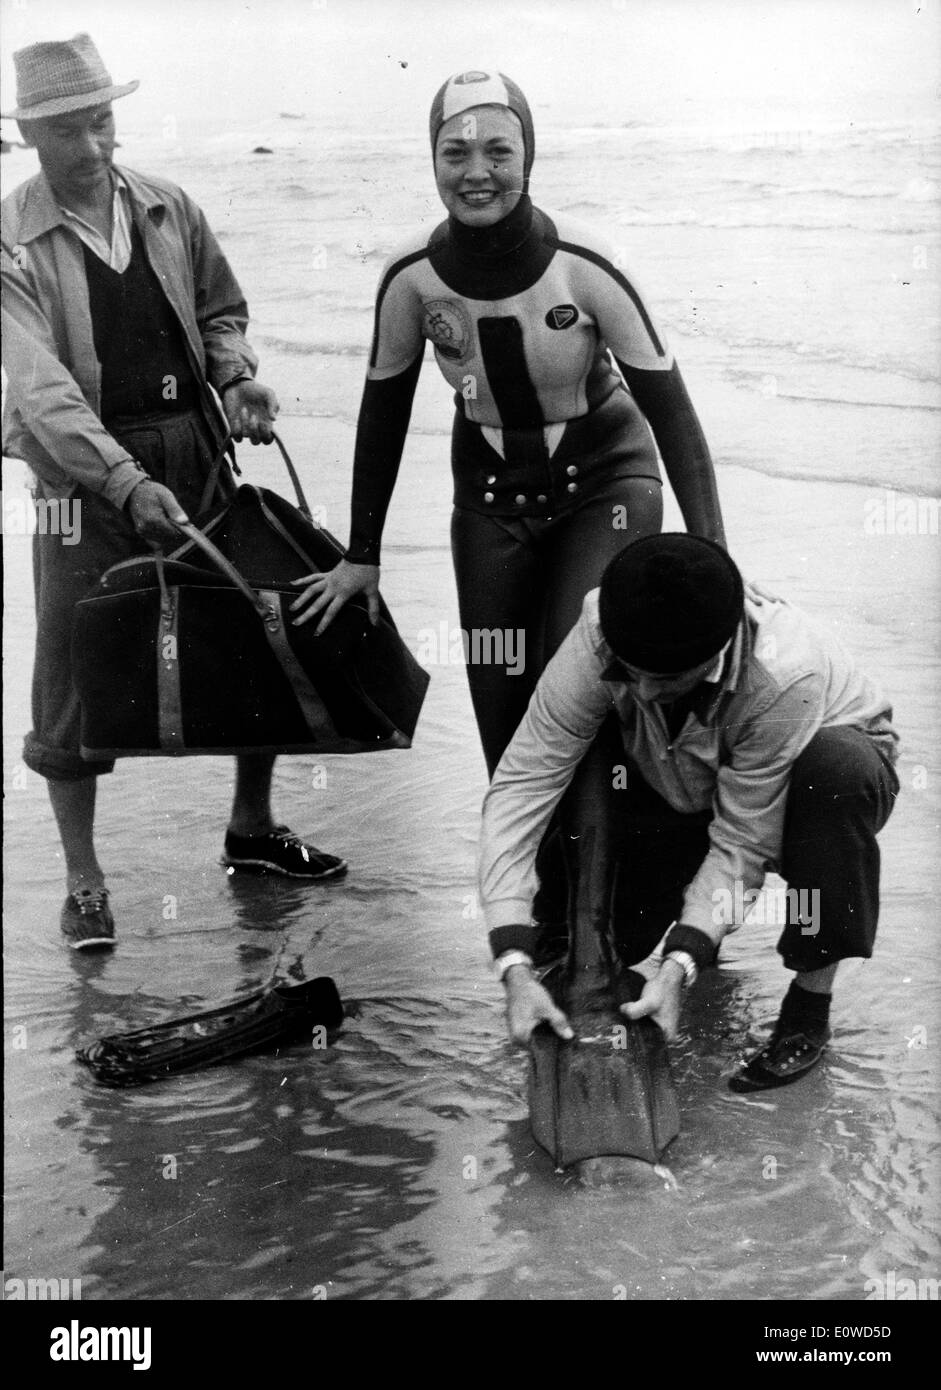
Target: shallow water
{"x":399,"y":1164}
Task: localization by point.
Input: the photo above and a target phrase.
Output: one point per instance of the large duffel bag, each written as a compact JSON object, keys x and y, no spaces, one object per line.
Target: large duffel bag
{"x":196,"y":652}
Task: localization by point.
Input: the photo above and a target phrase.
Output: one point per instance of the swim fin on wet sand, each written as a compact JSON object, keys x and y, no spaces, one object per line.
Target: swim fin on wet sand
{"x":607,"y":1092}
{"x":276,"y":1016}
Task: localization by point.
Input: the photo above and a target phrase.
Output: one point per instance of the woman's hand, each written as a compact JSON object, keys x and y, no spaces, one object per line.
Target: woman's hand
{"x":661,"y":1000}
{"x":331,"y":590}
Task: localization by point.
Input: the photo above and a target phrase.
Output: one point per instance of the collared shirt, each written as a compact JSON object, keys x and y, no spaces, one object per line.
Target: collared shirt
{"x":712,"y":676}
{"x":781,"y":682}
{"x":117,"y":252}
{"x":51,"y":415}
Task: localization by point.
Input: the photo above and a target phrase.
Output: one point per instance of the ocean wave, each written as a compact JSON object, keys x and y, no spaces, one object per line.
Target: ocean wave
{"x":733,"y":221}
{"x":812,"y":473}
{"x":880,"y":366}
{"x":583,"y":208}
{"x":862,"y":405}
{"x":758,"y":136}
{"x":351,"y":417}
{"x":295,"y":347}
{"x":302,"y":192}
{"x":826,"y":190}
{"x":917,"y":190}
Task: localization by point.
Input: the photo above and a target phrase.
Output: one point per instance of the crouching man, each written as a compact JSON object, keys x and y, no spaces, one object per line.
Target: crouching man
{"x":752,"y":742}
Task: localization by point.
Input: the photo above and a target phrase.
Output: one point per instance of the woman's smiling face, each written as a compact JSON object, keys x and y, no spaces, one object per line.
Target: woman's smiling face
{"x":479,"y":158}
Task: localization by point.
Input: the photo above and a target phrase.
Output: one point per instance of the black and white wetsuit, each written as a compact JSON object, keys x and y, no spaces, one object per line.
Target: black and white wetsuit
{"x":558,"y":369}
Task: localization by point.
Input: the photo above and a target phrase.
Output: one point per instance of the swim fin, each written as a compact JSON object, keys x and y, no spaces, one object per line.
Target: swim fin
{"x":274,"y":1016}
{"x":607,"y":1091}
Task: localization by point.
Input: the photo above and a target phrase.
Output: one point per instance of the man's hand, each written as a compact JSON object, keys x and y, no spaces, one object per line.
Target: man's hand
{"x":250,"y":409}
{"x":331,"y":590}
{"x":153,"y":510}
{"x":528,"y":1004}
{"x":661,"y":1000}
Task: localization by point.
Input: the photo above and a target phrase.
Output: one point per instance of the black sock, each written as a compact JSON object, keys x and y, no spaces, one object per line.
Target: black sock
{"x":804,"y":1012}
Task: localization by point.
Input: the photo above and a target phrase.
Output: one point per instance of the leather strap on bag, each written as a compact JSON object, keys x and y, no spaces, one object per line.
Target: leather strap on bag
{"x":169,"y":699}
{"x":228,"y":447}
{"x":265,"y":604}
{"x":298,"y":490}
{"x":267,"y":614}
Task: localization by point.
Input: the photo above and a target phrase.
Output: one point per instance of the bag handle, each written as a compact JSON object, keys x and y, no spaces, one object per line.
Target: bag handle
{"x":269,"y":616}
{"x":298,"y":490}
{"x":228,"y":447}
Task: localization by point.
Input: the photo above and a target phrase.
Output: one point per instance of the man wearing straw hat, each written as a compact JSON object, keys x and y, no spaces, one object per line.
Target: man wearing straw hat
{"x":123,"y":329}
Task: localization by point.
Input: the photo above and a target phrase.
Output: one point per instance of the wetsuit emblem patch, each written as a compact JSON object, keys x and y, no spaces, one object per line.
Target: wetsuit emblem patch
{"x":448,"y":326}
{"x":562,"y":316}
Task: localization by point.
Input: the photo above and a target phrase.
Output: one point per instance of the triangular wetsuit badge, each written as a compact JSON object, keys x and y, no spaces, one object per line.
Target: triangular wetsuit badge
{"x":562,"y":316}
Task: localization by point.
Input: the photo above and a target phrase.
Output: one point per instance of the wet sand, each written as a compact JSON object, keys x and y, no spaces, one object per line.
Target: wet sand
{"x":774,"y":189}
{"x":399,"y":1163}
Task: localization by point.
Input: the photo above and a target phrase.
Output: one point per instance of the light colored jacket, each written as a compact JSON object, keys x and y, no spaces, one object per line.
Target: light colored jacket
{"x":784,"y":680}
{"x":51,"y":414}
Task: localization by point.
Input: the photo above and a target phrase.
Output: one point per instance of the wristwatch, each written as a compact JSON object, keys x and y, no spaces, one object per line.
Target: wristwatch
{"x":507,"y":959}
{"x":684,"y":959}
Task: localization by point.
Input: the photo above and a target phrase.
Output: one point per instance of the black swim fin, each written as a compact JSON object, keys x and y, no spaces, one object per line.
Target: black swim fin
{"x":277,"y":1015}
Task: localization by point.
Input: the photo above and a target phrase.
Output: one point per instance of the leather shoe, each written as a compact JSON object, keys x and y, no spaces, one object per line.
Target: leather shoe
{"x":784,"y":1058}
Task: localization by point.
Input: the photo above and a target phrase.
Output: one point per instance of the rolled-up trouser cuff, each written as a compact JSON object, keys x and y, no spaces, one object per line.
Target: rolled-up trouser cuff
{"x":60,"y":765}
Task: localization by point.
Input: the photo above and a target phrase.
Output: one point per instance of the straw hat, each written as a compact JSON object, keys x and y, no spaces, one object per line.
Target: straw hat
{"x":61,"y":76}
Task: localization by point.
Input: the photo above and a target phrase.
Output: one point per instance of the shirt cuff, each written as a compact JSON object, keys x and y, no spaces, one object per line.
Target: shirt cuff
{"x":233,"y":380}
{"x":121,"y":482}
{"x":695,"y":915}
{"x":513,"y":937}
{"x":223,"y":370}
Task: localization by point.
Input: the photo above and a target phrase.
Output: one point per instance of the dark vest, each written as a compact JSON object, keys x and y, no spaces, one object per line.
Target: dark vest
{"x":138,"y":339}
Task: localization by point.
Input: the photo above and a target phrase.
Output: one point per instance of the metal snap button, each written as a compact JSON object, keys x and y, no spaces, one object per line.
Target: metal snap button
{"x":488,"y":496}
{"x":491,"y":480}
{"x":572,"y":487}
{"x":520,"y":499}
{"x":572,"y":470}
{"x":542,"y":497}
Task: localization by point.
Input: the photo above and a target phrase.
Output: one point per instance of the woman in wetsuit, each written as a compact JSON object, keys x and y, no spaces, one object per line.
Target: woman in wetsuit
{"x":555,"y":470}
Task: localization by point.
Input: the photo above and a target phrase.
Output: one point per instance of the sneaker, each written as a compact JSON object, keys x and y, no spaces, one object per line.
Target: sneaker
{"x":86,"y":921}
{"x":280,"y":851}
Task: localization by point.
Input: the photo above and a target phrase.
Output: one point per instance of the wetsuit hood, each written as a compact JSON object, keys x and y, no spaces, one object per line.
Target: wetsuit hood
{"x":476,"y":88}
